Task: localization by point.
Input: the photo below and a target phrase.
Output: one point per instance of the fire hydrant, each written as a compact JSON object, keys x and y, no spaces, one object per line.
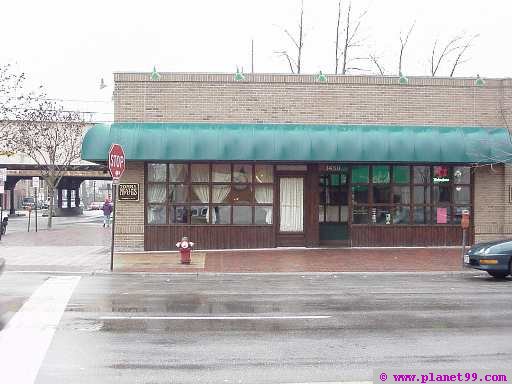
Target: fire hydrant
{"x":185,"y":248}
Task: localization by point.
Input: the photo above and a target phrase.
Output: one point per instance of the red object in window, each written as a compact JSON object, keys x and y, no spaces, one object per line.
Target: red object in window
{"x":441,"y":171}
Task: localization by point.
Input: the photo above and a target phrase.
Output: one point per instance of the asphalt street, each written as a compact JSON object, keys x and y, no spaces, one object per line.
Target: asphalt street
{"x":279,"y":328}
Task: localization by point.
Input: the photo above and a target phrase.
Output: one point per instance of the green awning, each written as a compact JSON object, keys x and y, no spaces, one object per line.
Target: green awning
{"x":299,"y":142}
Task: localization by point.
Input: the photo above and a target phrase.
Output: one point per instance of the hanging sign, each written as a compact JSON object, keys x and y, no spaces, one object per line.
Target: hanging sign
{"x":35,"y":182}
{"x":128,"y":192}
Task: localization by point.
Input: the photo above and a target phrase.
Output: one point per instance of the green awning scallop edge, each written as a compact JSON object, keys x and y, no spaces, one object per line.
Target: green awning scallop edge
{"x":299,"y":142}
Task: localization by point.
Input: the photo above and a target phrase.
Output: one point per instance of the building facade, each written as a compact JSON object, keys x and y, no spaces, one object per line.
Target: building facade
{"x":287,"y":160}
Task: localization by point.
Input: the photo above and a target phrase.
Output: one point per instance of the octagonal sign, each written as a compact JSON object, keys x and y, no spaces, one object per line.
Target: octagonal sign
{"x":116,"y":161}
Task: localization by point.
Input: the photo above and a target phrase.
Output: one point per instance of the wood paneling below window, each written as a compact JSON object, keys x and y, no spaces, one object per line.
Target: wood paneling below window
{"x":165,"y":237}
{"x":406,"y":235}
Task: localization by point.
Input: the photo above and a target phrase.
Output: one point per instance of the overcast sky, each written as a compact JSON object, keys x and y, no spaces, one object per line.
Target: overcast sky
{"x":70,"y":45}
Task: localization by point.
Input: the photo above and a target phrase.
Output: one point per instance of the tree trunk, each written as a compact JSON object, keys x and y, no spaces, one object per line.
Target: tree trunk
{"x":51,"y":193}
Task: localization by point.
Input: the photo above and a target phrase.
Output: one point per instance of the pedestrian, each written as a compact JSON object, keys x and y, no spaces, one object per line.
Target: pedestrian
{"x":107,"y":211}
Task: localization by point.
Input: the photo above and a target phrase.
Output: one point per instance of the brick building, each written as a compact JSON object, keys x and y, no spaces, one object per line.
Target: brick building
{"x":277,"y":160}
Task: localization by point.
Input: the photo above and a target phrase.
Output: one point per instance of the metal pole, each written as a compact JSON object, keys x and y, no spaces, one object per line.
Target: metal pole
{"x":463,"y":244}
{"x":2,"y":216}
{"x":29,"y":214}
{"x":35,"y":192}
{"x":114,"y":188}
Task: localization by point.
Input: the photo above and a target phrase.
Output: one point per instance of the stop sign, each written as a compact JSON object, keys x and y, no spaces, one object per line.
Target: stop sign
{"x":116,"y":161}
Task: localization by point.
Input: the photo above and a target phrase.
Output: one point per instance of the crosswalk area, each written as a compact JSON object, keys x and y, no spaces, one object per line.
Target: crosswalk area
{"x":26,"y":337}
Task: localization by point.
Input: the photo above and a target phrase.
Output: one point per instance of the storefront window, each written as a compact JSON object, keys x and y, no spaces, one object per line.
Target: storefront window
{"x":242,"y":173}
{"x":381,"y":193}
{"x":380,"y":174}
{"x":442,"y":194}
{"x":360,"y":194}
{"x":442,"y":215}
{"x":178,"y":193}
{"x":264,"y":174}
{"x":177,"y":214}
{"x":461,"y":175}
{"x":221,"y":173}
{"x":157,"y":172}
{"x":461,"y":194}
{"x":204,"y":193}
{"x":422,"y":194}
{"x":178,"y":173}
{"x":421,"y":215}
{"x":381,"y":215}
{"x":263,"y":215}
{"x":360,"y":215}
{"x":157,"y":193}
{"x":421,"y":175}
{"x":221,"y":214}
{"x":360,"y":174}
{"x":401,"y":195}
{"x":242,"y":215}
{"x":400,"y":215}
{"x":200,"y":173}
{"x":156,"y":214}
{"x":401,"y":174}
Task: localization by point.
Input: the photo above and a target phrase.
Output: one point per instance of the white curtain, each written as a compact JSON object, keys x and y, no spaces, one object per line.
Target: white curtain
{"x":177,"y":172}
{"x":264,"y":195}
{"x":200,"y":173}
{"x":201,"y":192}
{"x":220,"y":192}
{"x":292,"y":204}
{"x":221,"y":174}
{"x":156,"y":193}
{"x":157,"y":172}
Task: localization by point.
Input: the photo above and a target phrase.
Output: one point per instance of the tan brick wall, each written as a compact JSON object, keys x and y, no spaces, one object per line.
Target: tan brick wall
{"x":490,"y":204}
{"x":130,"y":214}
{"x":271,"y":98}
{"x":196,"y":97}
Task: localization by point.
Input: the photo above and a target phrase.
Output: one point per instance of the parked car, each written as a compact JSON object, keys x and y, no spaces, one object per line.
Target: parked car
{"x":95,"y":205}
{"x":494,"y":257}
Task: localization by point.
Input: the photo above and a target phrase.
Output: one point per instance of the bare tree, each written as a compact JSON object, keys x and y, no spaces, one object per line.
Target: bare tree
{"x":463,"y":48}
{"x":436,"y":58}
{"x":403,"y":44}
{"x":295,"y":64}
{"x":350,"y":38}
{"x":375,"y":60}
{"x":51,"y":137}
{"x":11,"y":87}
{"x":457,"y":46}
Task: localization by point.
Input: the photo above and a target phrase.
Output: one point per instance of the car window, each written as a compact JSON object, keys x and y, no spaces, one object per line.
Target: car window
{"x":501,"y":248}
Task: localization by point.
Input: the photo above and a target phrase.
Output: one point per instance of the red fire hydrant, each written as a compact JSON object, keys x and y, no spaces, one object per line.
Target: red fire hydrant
{"x":185,"y":248}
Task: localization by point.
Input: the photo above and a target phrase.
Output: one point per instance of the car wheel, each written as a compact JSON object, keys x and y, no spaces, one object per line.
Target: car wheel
{"x":498,"y":274}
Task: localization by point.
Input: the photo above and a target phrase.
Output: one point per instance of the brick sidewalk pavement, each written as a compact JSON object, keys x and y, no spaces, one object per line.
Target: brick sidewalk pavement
{"x":300,"y":260}
{"x":86,"y":248}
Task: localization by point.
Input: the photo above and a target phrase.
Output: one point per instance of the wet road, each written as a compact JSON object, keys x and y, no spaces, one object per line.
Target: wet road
{"x":269,"y":328}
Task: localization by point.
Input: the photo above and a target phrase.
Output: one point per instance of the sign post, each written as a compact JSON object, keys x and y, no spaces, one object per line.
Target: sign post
{"x":3,"y":179}
{"x":35,"y":184}
{"x":464,"y":222}
{"x":116,"y":166}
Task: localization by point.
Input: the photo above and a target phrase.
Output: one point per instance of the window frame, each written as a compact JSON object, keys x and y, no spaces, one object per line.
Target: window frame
{"x":189,"y":186}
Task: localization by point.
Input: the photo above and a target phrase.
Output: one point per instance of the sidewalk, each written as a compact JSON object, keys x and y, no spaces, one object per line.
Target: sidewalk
{"x":296,"y":260}
{"x":84,"y":246}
